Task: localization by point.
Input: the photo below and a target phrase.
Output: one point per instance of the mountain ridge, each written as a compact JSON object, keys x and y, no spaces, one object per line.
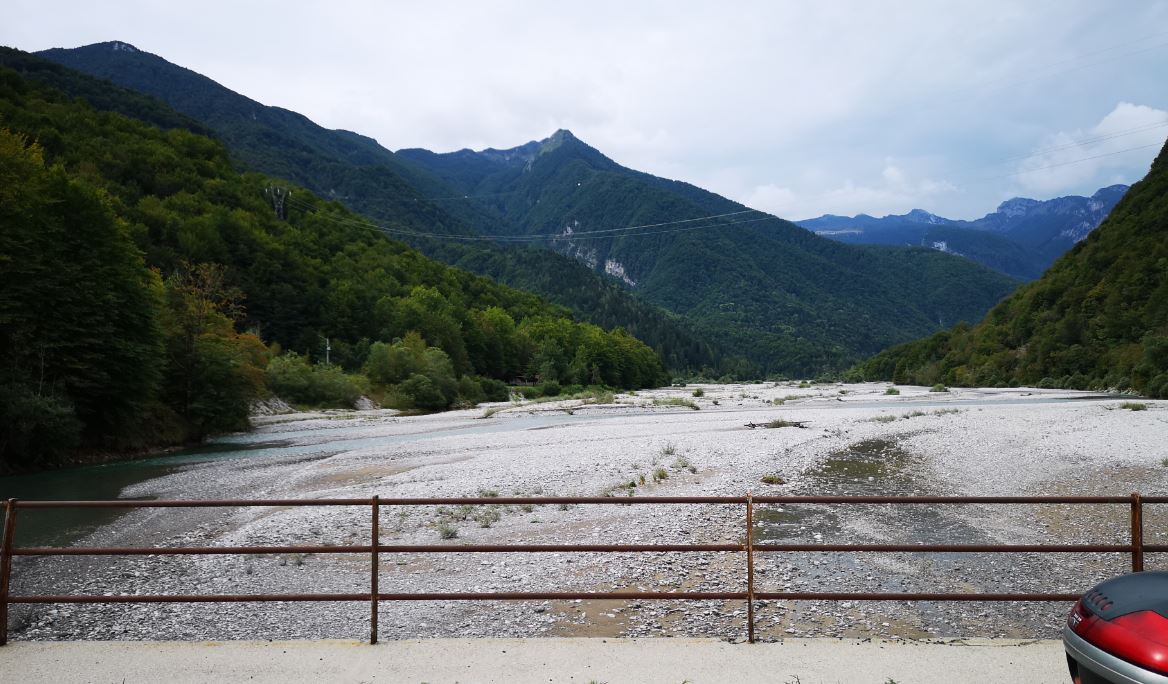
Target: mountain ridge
{"x":785,"y":299}
{"x":1097,"y":319}
{"x":1039,"y":231}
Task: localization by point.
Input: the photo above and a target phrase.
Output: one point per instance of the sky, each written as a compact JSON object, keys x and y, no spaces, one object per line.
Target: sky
{"x":795,"y":108}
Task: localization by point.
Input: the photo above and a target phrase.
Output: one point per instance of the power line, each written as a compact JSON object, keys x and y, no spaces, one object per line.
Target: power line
{"x":1086,"y":141}
{"x":465,"y":197}
{"x":1069,"y":163}
{"x":644,"y":229}
{"x":606,"y":232}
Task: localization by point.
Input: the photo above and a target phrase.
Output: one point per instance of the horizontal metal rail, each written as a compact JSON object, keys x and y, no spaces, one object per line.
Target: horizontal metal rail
{"x":1136,"y":548}
{"x":601,"y":500}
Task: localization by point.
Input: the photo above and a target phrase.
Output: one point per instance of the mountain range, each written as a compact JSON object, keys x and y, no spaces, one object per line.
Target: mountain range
{"x":1097,"y":319}
{"x":1021,"y":238}
{"x":705,"y":278}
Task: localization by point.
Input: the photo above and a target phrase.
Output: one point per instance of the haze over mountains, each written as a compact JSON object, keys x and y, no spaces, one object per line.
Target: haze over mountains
{"x":1021,"y":238}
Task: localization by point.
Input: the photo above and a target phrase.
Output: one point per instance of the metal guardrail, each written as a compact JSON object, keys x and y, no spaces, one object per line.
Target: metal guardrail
{"x":1136,"y":548}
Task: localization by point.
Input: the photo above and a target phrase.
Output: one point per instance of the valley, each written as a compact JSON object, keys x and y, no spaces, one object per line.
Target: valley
{"x":857,"y":440}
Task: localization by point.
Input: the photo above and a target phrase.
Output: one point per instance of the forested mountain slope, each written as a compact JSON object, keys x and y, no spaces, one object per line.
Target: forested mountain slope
{"x":1098,"y":318}
{"x":402,"y":197}
{"x":765,"y":289}
{"x":146,"y":284}
{"x":789,"y":300}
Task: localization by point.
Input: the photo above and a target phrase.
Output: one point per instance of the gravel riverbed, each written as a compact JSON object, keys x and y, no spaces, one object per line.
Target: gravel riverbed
{"x":854,"y":439}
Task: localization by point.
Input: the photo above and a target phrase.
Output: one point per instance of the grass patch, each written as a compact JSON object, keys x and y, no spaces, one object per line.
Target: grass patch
{"x":774,"y":479}
{"x":683,"y":463}
{"x":446,"y":530}
{"x":938,"y":388}
{"x":892,"y":391}
{"x":1133,"y":406}
{"x":699,"y":392}
{"x":669,"y":449}
{"x":488,"y":516}
{"x":676,"y":401}
{"x":884,"y":418}
{"x":660,"y":474}
{"x":781,"y":423}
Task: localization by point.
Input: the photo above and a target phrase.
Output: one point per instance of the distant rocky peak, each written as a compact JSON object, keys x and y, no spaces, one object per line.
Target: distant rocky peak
{"x":119,"y":46}
{"x":1111,"y":192}
{"x":922,"y":216}
{"x":1017,"y":206}
{"x":556,"y":140}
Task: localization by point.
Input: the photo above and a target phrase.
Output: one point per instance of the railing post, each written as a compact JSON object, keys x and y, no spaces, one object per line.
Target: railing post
{"x":749,"y":568}
{"x":1137,"y":532}
{"x":373,"y":573}
{"x":6,"y":565}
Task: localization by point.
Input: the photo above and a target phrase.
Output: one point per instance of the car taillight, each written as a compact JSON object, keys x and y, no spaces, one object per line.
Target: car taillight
{"x":1080,"y":620}
{"x":1140,"y":638}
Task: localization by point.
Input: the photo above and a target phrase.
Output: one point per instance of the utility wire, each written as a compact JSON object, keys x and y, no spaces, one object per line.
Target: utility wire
{"x":1069,"y":163}
{"x":305,"y":205}
{"x":1085,"y":141}
{"x":644,"y":229}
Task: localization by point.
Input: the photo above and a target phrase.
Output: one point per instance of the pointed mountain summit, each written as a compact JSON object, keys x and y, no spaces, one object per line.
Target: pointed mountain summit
{"x":775,"y":295}
{"x":787,"y":299}
{"x":411,"y":203}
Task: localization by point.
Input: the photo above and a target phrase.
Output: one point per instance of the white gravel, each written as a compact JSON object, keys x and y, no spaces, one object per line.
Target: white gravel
{"x":857,"y":440}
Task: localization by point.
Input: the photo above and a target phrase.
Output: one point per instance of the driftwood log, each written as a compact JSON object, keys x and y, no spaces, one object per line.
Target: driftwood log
{"x":785,"y":423}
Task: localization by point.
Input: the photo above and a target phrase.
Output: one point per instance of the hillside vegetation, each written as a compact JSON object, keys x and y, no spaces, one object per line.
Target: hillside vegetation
{"x":761,"y":297}
{"x":148,"y":290}
{"x":394,"y":192}
{"x":787,"y":300}
{"x":1097,"y":319}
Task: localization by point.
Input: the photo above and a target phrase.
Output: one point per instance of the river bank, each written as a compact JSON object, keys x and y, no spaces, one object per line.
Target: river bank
{"x":857,"y":440}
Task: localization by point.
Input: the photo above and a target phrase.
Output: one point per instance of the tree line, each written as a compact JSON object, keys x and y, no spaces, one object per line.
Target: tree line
{"x":149,"y":292}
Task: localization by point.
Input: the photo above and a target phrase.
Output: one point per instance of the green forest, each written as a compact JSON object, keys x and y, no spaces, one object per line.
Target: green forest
{"x":1097,"y":319}
{"x":149,"y":292}
{"x":363,"y":176}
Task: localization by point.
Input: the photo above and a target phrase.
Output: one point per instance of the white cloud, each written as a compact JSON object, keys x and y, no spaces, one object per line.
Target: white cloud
{"x":896,"y":192}
{"x":748,"y":99}
{"x":1129,"y":136}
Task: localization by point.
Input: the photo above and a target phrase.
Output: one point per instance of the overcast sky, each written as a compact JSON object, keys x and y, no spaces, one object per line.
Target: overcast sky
{"x":798,"y":108}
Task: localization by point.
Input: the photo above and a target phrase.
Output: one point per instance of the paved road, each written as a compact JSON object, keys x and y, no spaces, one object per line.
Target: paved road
{"x":516,"y":661}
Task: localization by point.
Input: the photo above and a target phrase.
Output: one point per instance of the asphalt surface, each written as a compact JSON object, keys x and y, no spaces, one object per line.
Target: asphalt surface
{"x":793,"y":661}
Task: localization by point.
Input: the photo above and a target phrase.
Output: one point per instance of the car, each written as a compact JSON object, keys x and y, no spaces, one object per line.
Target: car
{"x":1118,"y":631}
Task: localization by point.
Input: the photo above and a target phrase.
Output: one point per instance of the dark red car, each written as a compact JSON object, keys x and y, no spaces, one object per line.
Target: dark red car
{"x":1118,"y":631}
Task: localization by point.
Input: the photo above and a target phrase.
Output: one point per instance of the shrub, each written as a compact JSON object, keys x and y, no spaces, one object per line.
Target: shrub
{"x":291,"y":377}
{"x":446,"y":531}
{"x":551,"y":388}
{"x":938,"y":388}
{"x":1133,"y":406}
{"x":418,"y":391}
{"x":35,"y":430}
{"x":676,"y":401}
{"x":774,"y":479}
{"x":892,"y":391}
{"x":699,"y":392}
{"x":494,"y":390}
{"x":660,"y":474}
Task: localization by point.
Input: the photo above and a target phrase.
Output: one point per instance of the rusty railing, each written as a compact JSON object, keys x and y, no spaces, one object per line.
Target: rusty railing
{"x":1135,"y":547}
